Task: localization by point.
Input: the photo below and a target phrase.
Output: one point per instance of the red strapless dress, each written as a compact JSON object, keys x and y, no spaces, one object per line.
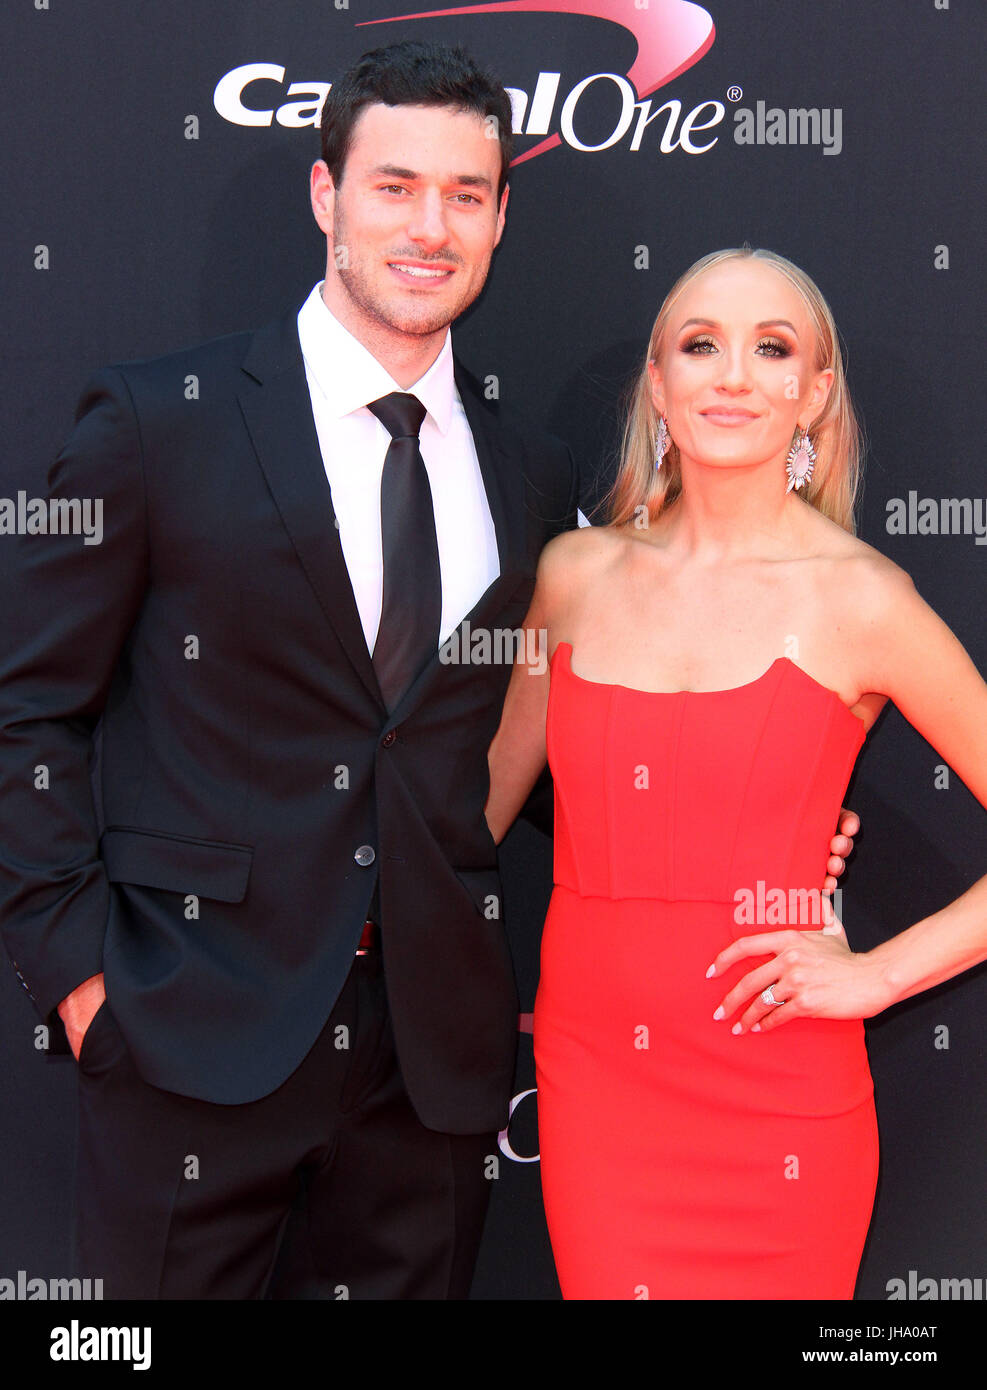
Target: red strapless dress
{"x":680,"y":1160}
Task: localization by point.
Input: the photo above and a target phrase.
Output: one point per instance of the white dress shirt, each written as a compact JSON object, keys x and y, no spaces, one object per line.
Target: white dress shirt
{"x":342,"y":378}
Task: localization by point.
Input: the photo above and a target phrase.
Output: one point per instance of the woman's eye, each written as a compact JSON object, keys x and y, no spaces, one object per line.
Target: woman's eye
{"x":703,"y":345}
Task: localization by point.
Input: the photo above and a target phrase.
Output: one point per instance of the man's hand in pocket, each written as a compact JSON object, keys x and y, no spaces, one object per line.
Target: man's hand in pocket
{"x":78,"y":1009}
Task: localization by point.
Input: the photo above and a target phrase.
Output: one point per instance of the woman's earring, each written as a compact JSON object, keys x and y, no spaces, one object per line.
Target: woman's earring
{"x":801,"y":457}
{"x":662,"y":441}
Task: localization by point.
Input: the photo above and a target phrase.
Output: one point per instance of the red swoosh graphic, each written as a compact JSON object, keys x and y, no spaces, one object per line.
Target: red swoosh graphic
{"x":671,"y":36}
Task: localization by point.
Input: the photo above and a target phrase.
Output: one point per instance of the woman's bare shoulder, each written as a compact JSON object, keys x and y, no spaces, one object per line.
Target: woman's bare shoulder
{"x":573,"y":557}
{"x":865,"y":575}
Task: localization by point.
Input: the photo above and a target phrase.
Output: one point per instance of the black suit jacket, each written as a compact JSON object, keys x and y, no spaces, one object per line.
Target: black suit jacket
{"x":251,"y":784}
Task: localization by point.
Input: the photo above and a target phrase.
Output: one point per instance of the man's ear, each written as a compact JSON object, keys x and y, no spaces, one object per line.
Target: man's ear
{"x":322,"y":191}
{"x":502,"y":214}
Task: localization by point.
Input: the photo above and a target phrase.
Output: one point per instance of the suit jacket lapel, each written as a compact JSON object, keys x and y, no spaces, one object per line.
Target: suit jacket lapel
{"x":503,"y":483}
{"x":277,"y":408}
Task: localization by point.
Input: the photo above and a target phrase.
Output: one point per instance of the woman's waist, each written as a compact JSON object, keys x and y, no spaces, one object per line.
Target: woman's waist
{"x":762,"y":904}
{"x":631,"y":973}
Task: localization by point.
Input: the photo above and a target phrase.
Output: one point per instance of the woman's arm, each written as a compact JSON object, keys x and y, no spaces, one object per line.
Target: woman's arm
{"x":914,"y":658}
{"x":517,"y":753}
{"x":925,"y":670}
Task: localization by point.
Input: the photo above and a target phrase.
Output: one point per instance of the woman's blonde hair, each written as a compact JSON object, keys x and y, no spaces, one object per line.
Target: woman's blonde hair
{"x":835,"y":432}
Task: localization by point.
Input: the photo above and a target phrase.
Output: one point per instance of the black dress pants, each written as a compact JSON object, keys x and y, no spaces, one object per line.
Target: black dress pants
{"x":182,"y":1198}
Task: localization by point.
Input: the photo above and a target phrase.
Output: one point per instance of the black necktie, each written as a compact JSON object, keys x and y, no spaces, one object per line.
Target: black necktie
{"x":411,"y":609}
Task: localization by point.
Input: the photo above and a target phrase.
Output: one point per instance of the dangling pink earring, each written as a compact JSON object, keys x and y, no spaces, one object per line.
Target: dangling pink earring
{"x":662,"y":441}
{"x":801,"y":457}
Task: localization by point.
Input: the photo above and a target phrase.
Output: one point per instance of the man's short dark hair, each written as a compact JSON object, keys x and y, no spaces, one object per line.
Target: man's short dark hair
{"x":412,"y":74}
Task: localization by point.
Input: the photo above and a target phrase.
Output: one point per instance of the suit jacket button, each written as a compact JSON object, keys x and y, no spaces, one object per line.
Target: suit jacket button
{"x":388,"y":738}
{"x":365,"y":855}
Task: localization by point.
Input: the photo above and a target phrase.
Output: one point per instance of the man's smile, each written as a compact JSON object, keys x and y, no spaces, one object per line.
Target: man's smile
{"x":417,"y":271}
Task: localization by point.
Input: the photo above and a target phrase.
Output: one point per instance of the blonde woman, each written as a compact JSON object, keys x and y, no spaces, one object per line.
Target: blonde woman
{"x":718,"y":652}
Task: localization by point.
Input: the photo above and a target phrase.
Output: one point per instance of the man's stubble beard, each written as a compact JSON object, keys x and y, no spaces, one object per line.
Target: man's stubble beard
{"x":359,"y":287}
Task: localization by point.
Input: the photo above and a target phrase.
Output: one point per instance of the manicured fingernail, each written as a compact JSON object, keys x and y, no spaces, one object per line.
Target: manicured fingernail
{"x":756,"y":1028}
{"x":720,"y":1013}
{"x":736,"y":1028}
{"x":711,"y":971}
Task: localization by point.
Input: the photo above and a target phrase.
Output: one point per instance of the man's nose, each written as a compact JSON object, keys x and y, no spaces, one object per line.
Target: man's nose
{"x":428,"y":226}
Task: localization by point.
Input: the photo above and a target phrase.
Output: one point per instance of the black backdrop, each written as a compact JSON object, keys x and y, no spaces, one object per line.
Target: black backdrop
{"x":137,"y":218}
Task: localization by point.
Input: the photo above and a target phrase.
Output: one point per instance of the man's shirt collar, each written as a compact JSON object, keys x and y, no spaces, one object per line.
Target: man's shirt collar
{"x":349,"y":376}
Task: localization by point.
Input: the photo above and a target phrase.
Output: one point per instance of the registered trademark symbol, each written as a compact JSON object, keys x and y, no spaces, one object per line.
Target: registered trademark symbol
{"x":734,"y":93}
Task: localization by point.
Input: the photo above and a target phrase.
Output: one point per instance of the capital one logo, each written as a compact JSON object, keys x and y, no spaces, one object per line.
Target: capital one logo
{"x":671,"y":36}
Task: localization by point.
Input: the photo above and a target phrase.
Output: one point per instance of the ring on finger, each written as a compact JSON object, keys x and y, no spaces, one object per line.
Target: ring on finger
{"x":767,"y":996}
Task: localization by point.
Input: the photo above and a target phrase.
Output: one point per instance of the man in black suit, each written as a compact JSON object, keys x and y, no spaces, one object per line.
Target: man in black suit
{"x":275,"y":940}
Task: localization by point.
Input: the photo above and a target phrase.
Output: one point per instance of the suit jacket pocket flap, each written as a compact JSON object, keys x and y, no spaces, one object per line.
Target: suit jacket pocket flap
{"x":483,"y":886}
{"x":204,"y":867}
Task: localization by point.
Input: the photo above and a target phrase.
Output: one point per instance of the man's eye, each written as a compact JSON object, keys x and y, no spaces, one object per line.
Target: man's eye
{"x":392,"y":188}
{"x":466,"y":198}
